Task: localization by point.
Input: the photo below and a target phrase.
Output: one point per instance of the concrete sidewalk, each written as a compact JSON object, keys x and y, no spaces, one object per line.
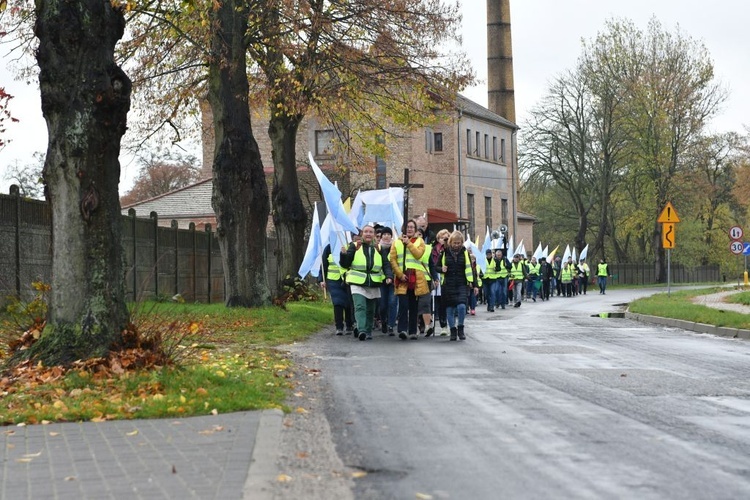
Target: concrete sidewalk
{"x":222,"y":456}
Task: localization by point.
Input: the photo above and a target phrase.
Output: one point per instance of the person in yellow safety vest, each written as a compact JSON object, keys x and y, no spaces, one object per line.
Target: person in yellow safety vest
{"x":566,"y":277}
{"x":472,"y":295}
{"x":365,"y":275}
{"x":534,"y":277}
{"x":409,"y":279}
{"x":489,"y":280}
{"x":441,"y":242}
{"x":458,"y":278}
{"x":518,"y":274}
{"x":388,"y":300}
{"x":502,"y":265}
{"x":333,"y":281}
{"x":584,"y":272}
{"x":602,"y":271}
{"x":425,"y":302}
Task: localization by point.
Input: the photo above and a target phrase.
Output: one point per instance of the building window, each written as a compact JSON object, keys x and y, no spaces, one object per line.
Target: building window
{"x":494,"y":149}
{"x":502,"y":150}
{"x":428,"y":141}
{"x":470,"y":210}
{"x":476,"y":146}
{"x":438,"y":141}
{"x":488,"y":211}
{"x":323,"y":142}
{"x":504,"y":211}
{"x":468,"y":142}
{"x":486,"y":146}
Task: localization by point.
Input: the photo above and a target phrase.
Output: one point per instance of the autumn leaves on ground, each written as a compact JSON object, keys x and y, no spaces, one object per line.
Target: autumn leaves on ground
{"x":185,"y":360}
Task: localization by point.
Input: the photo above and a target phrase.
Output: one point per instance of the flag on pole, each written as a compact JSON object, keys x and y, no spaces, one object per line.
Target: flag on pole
{"x":332,"y":197}
{"x":538,"y":253}
{"x":519,"y":248}
{"x":478,"y":255}
{"x":573,"y":255}
{"x":551,"y":255}
{"x":584,"y":252}
{"x":314,"y":253}
{"x":487,"y":245}
{"x":379,"y":206}
{"x":545,"y":252}
{"x":566,"y":254}
{"x":510,"y":247}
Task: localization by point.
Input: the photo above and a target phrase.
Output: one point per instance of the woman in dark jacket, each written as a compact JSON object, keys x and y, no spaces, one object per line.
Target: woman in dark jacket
{"x":455,"y":266}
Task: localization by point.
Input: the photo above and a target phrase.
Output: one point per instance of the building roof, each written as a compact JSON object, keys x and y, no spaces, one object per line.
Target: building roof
{"x":191,"y":201}
{"x":470,"y":107}
{"x":524,"y":216}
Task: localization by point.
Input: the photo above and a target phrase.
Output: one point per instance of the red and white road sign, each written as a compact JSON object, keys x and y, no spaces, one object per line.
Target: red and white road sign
{"x":736,"y":233}
{"x":736,"y":247}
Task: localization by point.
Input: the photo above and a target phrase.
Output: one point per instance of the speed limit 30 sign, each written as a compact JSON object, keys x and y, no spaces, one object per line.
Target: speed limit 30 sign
{"x":736,"y":247}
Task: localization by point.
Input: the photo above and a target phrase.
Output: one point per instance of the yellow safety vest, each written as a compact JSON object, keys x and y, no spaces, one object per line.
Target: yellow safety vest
{"x":467,"y":270}
{"x":534,"y":269}
{"x":411,"y":261}
{"x":567,"y":273}
{"x":358,"y":272}
{"x":516,"y":270}
{"x":492,"y":273}
{"x":601,"y":270}
{"x":426,"y":261}
{"x":334,"y":271}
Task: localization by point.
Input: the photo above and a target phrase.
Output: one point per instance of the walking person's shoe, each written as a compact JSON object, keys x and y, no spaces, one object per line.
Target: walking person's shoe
{"x":454,"y":333}
{"x":390,"y":331}
{"x":413,"y":336}
{"x":472,"y":312}
{"x":362,"y":336}
{"x":429,"y":331}
{"x":402,"y":335}
{"x":349,"y":331}
{"x":339,"y":332}
{"x":518,"y":304}
{"x":461,"y":335}
{"x":443,"y":331}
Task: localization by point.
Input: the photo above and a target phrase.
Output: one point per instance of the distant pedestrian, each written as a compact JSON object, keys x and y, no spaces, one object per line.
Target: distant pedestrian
{"x":602,"y":271}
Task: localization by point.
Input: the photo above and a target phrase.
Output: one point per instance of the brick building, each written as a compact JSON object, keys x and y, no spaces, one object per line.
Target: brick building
{"x":466,"y":161}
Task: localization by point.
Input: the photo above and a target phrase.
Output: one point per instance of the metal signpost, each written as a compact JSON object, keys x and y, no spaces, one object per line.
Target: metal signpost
{"x":668,"y":219}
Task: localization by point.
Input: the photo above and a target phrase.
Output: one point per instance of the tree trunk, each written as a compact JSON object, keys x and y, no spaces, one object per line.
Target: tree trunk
{"x":240,"y":194}
{"x":289,"y":216}
{"x":85,"y":101}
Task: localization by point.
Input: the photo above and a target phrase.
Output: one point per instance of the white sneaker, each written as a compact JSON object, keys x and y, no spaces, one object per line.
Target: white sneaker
{"x":443,"y":331}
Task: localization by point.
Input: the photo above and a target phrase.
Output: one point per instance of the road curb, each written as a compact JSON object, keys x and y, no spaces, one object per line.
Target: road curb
{"x":263,"y":467}
{"x":735,"y":333}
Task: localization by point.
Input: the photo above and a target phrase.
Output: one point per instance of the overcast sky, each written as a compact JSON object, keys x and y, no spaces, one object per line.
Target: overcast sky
{"x":547,"y":38}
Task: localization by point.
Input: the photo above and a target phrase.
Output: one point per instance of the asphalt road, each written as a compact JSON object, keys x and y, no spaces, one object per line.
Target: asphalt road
{"x":544,"y":401}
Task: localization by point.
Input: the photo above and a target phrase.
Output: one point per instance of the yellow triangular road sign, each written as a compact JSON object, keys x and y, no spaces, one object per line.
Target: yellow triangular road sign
{"x":669,"y":214}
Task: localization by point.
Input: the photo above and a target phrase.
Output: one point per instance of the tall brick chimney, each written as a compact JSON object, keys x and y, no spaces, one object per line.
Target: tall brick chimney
{"x":500,"y":93}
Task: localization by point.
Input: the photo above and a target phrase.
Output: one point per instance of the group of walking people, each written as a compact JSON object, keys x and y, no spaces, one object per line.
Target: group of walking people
{"x":522,"y":279}
{"x":410,"y":284}
{"x":398,"y":284}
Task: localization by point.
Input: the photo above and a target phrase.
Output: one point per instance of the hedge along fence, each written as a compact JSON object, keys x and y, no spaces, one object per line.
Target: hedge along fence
{"x":160,"y":261}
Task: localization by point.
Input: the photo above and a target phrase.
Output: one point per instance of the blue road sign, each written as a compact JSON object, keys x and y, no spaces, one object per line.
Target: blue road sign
{"x":746,"y":248}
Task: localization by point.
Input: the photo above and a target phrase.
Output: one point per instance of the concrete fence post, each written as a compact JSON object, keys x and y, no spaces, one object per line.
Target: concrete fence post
{"x":208,"y":266}
{"x":15,"y":191}
{"x":155,"y":217}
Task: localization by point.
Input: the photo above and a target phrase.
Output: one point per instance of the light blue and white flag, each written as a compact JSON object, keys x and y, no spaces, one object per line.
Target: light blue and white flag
{"x":573,"y":255}
{"x":314,"y":253}
{"x":478,"y":255}
{"x":545,"y":252}
{"x":381,"y":206}
{"x":487,"y":245}
{"x":332,"y":197}
{"x":519,"y":249}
